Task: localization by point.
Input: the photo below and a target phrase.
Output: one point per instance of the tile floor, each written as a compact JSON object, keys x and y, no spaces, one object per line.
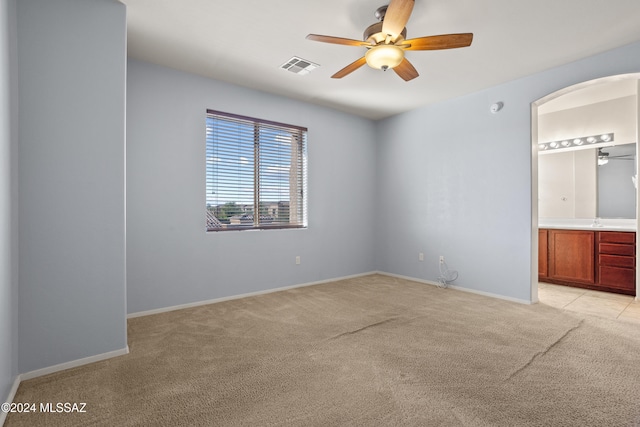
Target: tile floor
{"x":603,"y":304}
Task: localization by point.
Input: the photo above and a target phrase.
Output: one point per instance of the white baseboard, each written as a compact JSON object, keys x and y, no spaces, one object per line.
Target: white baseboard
{"x":73,"y":364}
{"x":56,"y":368}
{"x":250,"y":294}
{"x":489,"y":294}
{"x":10,"y":397}
{"x":284,"y":288}
{"x":457,"y":288}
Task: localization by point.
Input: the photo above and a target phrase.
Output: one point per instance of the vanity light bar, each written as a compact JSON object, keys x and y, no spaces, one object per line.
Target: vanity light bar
{"x":575,"y":142}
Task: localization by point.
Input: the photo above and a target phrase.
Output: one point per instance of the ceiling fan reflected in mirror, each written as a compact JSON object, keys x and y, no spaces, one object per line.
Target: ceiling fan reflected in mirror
{"x":604,"y":157}
{"x":386,"y":42}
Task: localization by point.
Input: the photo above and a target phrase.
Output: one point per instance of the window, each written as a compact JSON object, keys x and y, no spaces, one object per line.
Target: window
{"x":256,"y":173}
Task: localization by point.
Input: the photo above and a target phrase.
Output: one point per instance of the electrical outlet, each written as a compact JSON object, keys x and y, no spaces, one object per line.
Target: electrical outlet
{"x":298,"y":260}
{"x":441,"y":259}
{"x":420,"y":256}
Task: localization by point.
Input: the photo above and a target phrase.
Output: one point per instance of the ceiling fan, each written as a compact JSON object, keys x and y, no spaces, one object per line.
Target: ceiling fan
{"x":386,"y":42}
{"x":604,"y":157}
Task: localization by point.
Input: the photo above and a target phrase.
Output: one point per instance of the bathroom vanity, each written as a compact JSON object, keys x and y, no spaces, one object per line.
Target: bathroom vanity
{"x":597,"y":258}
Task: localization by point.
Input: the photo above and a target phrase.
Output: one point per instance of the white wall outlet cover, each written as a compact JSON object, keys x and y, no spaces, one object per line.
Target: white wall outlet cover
{"x":496,"y":107}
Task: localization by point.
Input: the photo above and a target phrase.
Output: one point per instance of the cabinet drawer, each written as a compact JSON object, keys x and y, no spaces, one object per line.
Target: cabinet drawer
{"x":617,"y":237}
{"x":617,"y":261}
{"x":618,"y":278}
{"x":617,"y":249}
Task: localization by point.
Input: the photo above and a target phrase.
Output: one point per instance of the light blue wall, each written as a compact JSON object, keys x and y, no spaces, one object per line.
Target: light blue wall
{"x":448,"y":179}
{"x":170,"y":258}
{"x":8,"y":202}
{"x":455,"y":180}
{"x":72,"y":66}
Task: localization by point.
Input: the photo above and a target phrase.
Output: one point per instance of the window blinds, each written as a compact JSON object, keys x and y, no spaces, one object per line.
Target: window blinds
{"x":255,"y":173}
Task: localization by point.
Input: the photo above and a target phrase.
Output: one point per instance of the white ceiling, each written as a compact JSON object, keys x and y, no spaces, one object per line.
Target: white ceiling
{"x":246,"y":42}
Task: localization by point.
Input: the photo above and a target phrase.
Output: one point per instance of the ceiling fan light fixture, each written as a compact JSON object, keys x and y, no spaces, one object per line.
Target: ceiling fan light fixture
{"x":603,"y":157}
{"x":386,"y":42}
{"x":384,"y":56}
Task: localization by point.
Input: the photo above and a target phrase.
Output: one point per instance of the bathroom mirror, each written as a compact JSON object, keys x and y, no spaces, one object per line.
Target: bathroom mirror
{"x":616,"y":188}
{"x":588,"y":183}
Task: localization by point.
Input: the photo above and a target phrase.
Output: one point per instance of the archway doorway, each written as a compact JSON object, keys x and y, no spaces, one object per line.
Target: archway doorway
{"x":590,"y":92}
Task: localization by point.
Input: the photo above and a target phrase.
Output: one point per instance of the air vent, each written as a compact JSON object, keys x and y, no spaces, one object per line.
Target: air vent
{"x":299,"y":66}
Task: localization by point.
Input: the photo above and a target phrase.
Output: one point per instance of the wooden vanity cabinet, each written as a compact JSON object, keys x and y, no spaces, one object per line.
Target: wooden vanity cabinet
{"x":572,"y":256}
{"x":601,"y":260}
{"x":543,"y":254}
{"x":617,"y":261}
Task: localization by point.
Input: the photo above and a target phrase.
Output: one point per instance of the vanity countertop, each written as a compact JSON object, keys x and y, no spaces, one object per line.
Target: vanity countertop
{"x":588,"y":224}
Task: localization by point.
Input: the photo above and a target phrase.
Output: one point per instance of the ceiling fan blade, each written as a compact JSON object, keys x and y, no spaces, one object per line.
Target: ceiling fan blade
{"x":406,"y":70}
{"x":336,"y":40}
{"x":444,"y":41}
{"x":350,"y":68}
{"x":396,"y":17}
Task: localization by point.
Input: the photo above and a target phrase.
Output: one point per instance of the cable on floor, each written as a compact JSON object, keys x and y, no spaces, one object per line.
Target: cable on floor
{"x":446,"y":276}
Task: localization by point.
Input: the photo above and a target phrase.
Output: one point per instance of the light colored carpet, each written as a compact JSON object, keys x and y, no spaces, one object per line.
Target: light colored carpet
{"x":371,"y":351}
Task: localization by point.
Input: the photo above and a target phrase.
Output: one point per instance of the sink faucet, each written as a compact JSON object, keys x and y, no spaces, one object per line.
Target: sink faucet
{"x":596,"y":222}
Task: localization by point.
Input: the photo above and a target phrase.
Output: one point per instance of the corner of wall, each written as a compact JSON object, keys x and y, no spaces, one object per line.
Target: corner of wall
{"x":9,"y":378}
